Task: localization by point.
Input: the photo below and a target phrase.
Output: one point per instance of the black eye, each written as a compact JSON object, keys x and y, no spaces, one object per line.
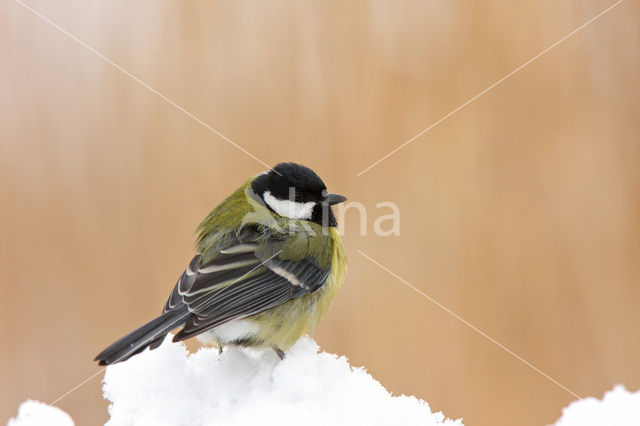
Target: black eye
{"x":297,"y":197}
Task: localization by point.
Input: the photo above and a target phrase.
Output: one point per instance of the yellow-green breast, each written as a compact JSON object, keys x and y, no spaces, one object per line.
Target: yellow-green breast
{"x":283,"y":325}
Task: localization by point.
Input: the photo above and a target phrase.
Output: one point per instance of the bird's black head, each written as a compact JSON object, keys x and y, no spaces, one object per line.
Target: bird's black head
{"x":297,"y":192}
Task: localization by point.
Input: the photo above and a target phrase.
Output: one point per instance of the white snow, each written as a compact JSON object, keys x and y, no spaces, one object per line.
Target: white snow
{"x":619,"y":407}
{"x":34,"y":413}
{"x":168,"y":386}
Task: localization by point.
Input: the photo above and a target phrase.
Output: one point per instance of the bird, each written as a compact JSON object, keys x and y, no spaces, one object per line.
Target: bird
{"x":269,"y":260}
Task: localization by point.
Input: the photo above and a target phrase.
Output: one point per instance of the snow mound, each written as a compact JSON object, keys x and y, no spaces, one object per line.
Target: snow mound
{"x":619,"y":407}
{"x":34,"y":413}
{"x":168,"y":386}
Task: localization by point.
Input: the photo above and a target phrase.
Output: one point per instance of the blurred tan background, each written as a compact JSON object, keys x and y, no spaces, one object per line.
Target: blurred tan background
{"x":521,"y":212}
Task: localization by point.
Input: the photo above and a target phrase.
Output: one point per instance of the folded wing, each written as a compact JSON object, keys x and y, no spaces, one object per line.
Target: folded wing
{"x":246,"y":276}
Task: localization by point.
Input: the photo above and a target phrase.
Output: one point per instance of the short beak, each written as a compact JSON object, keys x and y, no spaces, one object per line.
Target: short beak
{"x":332,"y":199}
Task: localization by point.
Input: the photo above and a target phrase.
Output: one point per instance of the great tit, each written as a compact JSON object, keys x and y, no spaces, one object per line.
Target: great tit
{"x":268,"y":262}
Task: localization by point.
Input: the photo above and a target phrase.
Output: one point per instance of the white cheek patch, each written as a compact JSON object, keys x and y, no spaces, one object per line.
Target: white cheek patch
{"x":288,"y":208}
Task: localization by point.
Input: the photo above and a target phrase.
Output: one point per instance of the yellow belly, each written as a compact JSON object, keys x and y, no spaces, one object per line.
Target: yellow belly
{"x":283,"y":325}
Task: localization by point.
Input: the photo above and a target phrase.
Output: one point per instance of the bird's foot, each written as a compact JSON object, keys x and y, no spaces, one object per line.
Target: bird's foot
{"x":279,"y":352}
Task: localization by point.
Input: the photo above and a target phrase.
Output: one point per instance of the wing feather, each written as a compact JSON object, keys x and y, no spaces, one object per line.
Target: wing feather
{"x":239,"y":280}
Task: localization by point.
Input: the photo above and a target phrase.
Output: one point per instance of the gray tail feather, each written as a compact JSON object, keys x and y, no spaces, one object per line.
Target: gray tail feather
{"x":149,"y":335}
